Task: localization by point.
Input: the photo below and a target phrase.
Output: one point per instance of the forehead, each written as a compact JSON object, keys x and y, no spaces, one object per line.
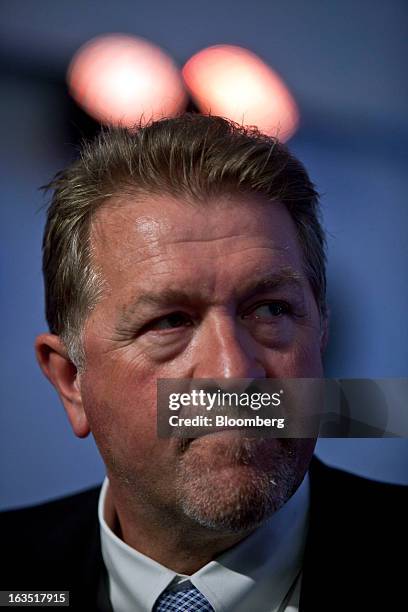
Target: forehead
{"x":159,"y":239}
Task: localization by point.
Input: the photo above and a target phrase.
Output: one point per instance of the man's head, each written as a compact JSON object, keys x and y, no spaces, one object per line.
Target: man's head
{"x":190,"y":248}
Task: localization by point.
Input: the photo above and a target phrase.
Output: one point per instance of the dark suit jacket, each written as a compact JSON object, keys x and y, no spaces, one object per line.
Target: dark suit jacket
{"x":355,"y":556}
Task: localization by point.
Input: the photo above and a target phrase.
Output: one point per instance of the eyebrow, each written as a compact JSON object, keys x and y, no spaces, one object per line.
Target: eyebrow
{"x":283,"y":278}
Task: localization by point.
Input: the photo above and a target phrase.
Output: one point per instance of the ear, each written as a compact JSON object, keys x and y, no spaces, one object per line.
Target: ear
{"x":324,"y":331}
{"x":63,"y":374}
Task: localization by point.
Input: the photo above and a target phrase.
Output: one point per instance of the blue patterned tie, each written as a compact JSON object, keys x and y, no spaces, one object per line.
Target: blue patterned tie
{"x":188,"y":599}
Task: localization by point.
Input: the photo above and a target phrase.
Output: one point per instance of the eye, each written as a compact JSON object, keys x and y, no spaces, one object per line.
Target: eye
{"x":269,"y":311}
{"x":170,"y":321}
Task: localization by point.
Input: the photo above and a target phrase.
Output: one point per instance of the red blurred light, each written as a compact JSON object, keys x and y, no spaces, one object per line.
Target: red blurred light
{"x":233,"y":82}
{"x":120,"y":79}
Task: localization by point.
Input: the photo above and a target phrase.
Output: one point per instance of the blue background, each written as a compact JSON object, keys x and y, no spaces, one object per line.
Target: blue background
{"x":346,"y":65}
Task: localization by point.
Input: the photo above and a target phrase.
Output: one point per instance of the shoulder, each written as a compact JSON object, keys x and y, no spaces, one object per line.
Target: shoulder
{"x":52,"y":545}
{"x":335,"y":487}
{"x":60,"y":517}
{"x":352,"y":508}
{"x":355,"y":539}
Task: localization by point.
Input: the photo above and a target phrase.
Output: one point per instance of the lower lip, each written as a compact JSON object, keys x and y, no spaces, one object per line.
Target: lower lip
{"x":220,"y":433}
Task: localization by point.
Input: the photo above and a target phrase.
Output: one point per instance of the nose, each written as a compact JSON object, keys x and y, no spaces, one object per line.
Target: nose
{"x":226,"y":350}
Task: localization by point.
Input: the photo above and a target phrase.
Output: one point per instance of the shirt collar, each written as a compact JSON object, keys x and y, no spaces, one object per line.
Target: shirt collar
{"x":260,"y":568}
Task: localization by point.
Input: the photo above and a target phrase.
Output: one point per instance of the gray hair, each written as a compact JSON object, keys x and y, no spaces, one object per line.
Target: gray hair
{"x":193,"y":157}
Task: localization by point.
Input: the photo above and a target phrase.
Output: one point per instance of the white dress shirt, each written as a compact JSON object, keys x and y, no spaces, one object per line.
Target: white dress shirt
{"x":256,"y":574}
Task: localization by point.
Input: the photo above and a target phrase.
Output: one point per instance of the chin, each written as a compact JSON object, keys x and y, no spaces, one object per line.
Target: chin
{"x":235,"y":487}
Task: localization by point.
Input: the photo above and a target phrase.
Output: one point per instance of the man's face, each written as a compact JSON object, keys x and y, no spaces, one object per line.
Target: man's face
{"x":189,"y":295}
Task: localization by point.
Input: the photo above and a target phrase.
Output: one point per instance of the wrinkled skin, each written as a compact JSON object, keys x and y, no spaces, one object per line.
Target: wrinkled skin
{"x":203,"y":318}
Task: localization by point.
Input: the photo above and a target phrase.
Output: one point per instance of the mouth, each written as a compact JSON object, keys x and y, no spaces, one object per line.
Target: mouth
{"x":221,"y":433}
{"x":231,"y":447}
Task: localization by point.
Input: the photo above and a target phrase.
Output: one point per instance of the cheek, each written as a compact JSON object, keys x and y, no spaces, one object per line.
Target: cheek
{"x":121,"y":409}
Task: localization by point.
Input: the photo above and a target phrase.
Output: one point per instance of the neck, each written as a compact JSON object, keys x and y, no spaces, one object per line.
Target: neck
{"x":180,"y":545}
